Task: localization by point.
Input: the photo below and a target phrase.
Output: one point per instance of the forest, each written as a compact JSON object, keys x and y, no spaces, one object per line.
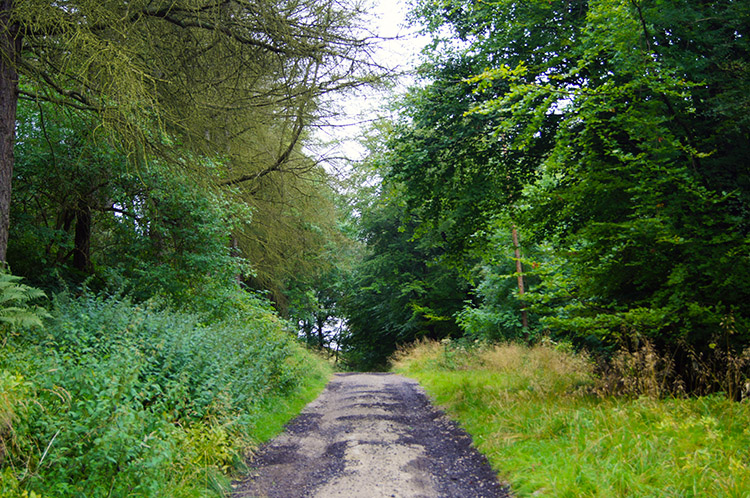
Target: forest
{"x":185,"y":262}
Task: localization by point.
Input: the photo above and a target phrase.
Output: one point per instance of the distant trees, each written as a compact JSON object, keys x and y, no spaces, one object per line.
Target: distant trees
{"x":399,"y":292}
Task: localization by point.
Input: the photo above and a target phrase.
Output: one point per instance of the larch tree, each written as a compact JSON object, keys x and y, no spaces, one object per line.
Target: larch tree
{"x":198,"y":76}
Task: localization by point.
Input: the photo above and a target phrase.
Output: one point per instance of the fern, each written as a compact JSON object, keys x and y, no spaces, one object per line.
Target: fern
{"x":16,"y":308}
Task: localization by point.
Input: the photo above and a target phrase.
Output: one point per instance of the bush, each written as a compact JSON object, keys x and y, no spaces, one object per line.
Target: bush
{"x":17,"y":310}
{"x":126,"y":400}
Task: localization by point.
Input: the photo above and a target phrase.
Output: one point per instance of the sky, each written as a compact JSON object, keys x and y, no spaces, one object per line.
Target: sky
{"x":399,"y":49}
{"x":390,"y":22}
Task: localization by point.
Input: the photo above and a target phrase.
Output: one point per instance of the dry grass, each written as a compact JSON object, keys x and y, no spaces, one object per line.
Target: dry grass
{"x":639,"y":369}
{"x":543,"y":368}
{"x":544,"y":419}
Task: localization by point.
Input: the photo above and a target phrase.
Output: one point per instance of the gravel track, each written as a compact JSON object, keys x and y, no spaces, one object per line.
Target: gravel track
{"x":370,"y":436}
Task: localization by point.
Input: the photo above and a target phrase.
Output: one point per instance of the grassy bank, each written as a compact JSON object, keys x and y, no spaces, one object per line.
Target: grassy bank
{"x":532,"y":411}
{"x":116,"y":399}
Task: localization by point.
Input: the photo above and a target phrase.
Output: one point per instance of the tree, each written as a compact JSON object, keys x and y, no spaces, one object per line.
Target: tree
{"x":163,"y":73}
{"x":630,"y":118}
{"x":647,"y":183}
{"x":293,"y":224}
{"x":399,"y":292}
{"x":81,"y":210}
{"x":460,"y":167}
{"x":497,"y":311}
{"x":10,"y":48}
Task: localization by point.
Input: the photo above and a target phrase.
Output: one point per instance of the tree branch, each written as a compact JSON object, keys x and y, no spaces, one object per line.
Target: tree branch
{"x":119,"y":211}
{"x":166,"y":14}
{"x":298,"y":127}
{"x":694,"y":160}
{"x":71,"y":94}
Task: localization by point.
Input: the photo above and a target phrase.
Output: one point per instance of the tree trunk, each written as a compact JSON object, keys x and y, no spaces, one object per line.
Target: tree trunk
{"x":321,"y":334}
{"x":307,"y":328}
{"x":235,"y":252}
{"x":10,"y":49}
{"x":519,"y":271}
{"x":82,"y":250}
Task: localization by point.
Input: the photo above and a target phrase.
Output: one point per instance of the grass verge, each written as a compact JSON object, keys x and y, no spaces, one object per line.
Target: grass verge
{"x":531,"y":411}
{"x":278,"y":410}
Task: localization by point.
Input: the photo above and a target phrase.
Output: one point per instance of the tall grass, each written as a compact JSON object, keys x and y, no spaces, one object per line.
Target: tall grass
{"x":535,"y":412}
{"x":116,"y":399}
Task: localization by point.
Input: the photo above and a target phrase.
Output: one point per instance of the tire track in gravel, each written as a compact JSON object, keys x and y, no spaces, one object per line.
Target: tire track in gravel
{"x":370,"y":436}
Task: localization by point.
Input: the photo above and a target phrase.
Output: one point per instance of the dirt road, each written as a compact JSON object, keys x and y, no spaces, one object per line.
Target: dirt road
{"x":370,"y":436}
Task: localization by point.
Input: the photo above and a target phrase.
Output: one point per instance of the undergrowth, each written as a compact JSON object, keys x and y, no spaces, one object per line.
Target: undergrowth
{"x":543,"y":417}
{"x":117,"y":399}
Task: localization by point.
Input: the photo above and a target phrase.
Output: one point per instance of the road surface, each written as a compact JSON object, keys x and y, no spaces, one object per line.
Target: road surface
{"x":370,"y":436}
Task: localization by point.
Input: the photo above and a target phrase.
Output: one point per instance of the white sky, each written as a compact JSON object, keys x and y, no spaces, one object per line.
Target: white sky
{"x":390,"y":20}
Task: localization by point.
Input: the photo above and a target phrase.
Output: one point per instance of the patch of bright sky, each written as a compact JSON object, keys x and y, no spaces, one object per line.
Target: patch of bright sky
{"x":398,"y":51}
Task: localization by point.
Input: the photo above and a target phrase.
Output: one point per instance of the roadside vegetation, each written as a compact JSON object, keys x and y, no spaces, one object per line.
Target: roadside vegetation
{"x":114,"y":398}
{"x":550,"y":427}
{"x":180,"y":234}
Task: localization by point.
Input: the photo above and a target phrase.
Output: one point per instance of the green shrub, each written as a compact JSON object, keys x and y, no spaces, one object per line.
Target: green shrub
{"x":127,"y":400}
{"x":17,"y":310}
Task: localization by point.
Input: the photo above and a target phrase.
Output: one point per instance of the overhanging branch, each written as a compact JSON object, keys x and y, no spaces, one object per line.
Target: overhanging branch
{"x":276,"y":166}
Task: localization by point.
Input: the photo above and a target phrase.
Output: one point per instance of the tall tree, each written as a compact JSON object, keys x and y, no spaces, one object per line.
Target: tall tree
{"x":10,"y":48}
{"x":192,"y":71}
{"x":647,"y":183}
{"x":459,"y":167}
{"x":631,"y":117}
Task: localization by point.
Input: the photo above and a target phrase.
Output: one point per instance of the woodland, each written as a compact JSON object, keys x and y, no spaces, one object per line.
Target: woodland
{"x":183,"y":261}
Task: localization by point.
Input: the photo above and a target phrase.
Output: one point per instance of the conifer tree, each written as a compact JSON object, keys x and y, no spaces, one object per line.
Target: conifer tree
{"x":160,"y":73}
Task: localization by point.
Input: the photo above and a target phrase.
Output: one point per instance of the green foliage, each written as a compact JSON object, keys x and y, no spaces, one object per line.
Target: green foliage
{"x":121,"y":399}
{"x":314,"y":307}
{"x":16,"y":308}
{"x":454,"y":173}
{"x":456,"y":159}
{"x":181,"y":67}
{"x":448,"y":174}
{"x":96,"y":217}
{"x":399,"y":292}
{"x":528,"y":411}
{"x":636,"y":185}
{"x":293,"y":238}
{"x":14,"y":398}
{"x":9,"y":486}
{"x":149,"y":132}
{"x":495,"y":314}
{"x":178,"y":243}
{"x":145,"y":231}
{"x":615,"y":135}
